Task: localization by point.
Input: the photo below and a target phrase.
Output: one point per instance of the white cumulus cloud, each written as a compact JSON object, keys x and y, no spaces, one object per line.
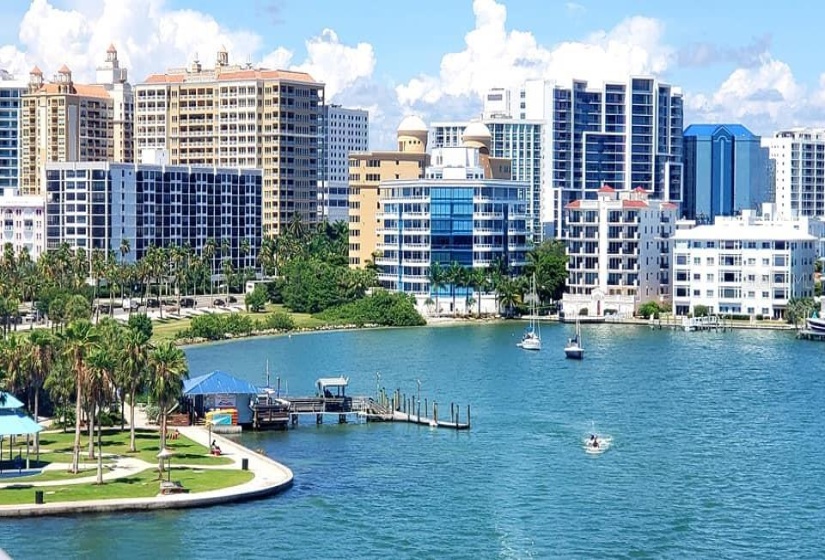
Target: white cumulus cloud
{"x":497,"y":57}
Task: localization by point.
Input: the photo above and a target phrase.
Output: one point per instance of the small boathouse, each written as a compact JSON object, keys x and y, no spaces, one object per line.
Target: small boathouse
{"x":218,"y":391}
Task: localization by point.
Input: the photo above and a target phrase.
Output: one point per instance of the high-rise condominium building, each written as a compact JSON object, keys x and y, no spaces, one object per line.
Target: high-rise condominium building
{"x":345,"y":131}
{"x":240,"y":116}
{"x":465,"y":211}
{"x":624,"y":134}
{"x":798,"y":157}
{"x":98,"y":205}
{"x":743,"y":265}
{"x":63,"y":121}
{"x":11,"y":93}
{"x":24,"y":221}
{"x":726,"y":171}
{"x":518,"y":140}
{"x":366,"y":171}
{"x":618,"y":252}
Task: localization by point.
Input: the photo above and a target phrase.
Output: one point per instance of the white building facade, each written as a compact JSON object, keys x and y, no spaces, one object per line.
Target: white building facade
{"x":618,"y":253}
{"x":518,"y":140}
{"x":345,"y":131}
{"x":799,"y":183}
{"x":743,"y":266}
{"x":626,"y":134}
{"x":24,"y":222}
{"x":454,"y":216}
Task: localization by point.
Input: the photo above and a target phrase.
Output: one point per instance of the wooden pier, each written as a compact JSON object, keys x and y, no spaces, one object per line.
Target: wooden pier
{"x":273,"y":411}
{"x":807,"y":334}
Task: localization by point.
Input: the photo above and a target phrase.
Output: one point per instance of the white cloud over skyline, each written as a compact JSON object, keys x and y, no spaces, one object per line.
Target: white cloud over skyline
{"x":762,"y":93}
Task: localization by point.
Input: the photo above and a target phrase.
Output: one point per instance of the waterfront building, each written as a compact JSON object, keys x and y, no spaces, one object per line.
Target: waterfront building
{"x":239,"y":116}
{"x":520,"y":141}
{"x":627,"y":134}
{"x":345,"y":131}
{"x":618,"y":253}
{"x":24,"y":220}
{"x":798,"y":156}
{"x":726,"y":170}
{"x":63,"y":121}
{"x":743,"y":265}
{"x":465,"y":211}
{"x":367,"y":171}
{"x":95,"y":206}
{"x":11,"y":94}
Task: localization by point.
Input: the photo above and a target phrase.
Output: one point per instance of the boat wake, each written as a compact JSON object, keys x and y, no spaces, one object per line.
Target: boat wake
{"x":595,"y":444}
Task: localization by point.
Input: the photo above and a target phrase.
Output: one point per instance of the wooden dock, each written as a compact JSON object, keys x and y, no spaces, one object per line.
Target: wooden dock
{"x":273,"y":411}
{"x":807,"y":334}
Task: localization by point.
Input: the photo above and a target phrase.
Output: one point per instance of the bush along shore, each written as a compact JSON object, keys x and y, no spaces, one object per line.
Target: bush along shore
{"x":382,"y":309}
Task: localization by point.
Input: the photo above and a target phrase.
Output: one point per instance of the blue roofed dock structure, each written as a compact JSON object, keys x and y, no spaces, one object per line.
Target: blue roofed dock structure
{"x":219,"y":390}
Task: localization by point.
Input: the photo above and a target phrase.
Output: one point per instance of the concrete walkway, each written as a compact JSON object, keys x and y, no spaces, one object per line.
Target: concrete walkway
{"x":270,"y":477}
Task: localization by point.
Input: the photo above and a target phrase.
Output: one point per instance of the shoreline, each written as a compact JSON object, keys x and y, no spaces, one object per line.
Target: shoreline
{"x":438,"y":322}
{"x":270,"y":478}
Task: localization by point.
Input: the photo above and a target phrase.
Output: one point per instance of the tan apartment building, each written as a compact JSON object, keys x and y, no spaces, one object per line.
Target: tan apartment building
{"x":240,"y":116}
{"x":366,"y":171}
{"x":62,"y":121}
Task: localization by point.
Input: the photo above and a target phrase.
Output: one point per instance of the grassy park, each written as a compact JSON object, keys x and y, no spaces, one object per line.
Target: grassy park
{"x":56,"y":448}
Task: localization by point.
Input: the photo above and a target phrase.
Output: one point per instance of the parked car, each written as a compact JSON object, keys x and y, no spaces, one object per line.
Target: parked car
{"x":187,"y":302}
{"x":219,"y":302}
{"x":152,"y":303}
{"x":232,"y":299}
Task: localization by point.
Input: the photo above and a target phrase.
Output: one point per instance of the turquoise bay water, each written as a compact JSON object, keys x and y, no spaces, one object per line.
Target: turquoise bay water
{"x":717,"y":452}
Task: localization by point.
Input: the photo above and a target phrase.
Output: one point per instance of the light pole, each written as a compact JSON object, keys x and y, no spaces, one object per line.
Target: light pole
{"x":377,"y":384}
{"x":419,"y":391}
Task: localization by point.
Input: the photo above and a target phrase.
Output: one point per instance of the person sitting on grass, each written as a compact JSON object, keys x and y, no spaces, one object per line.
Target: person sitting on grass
{"x":214,"y":449}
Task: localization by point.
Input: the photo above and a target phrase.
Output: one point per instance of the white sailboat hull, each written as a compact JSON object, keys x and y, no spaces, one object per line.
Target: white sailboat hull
{"x":530,"y":344}
{"x":574,"y":352}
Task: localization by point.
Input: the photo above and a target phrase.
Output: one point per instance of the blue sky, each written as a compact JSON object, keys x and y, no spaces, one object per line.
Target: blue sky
{"x":749,"y":62}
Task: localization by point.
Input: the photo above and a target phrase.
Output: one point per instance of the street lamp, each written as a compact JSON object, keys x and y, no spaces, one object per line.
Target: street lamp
{"x":419,"y":390}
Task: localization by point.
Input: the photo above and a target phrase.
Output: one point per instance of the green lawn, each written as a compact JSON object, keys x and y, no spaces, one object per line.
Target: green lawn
{"x":169,"y":327}
{"x":59,"y":446}
{"x":142,"y":485}
{"x":58,"y":474}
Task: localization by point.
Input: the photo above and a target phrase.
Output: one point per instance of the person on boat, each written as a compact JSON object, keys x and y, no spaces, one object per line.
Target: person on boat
{"x":594,"y":442}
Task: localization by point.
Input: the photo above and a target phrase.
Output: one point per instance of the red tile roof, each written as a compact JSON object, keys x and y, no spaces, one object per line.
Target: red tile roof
{"x":575,"y":204}
{"x":607,"y":189}
{"x":639,"y":189}
{"x":235,"y":75}
{"x":634,"y":204}
{"x":669,"y":205}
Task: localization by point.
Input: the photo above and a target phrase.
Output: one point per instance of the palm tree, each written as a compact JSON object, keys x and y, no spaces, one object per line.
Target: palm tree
{"x":436,"y":275}
{"x":102,"y":361}
{"x":98,"y":271}
{"x":454,"y":277}
{"x":167,"y":370}
{"x":125,"y":248}
{"x":478,"y":280}
{"x":208,"y":253}
{"x":132,"y":372}
{"x":80,"y":337}
{"x":41,"y":350}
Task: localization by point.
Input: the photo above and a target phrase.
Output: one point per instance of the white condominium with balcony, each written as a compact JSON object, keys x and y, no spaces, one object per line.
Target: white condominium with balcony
{"x":618,"y":253}
{"x":240,"y":116}
{"x":24,"y":222}
{"x":799,"y":171}
{"x":742,"y":266}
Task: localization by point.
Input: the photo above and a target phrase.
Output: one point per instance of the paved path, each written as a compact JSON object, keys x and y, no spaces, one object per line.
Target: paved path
{"x":270,"y":478}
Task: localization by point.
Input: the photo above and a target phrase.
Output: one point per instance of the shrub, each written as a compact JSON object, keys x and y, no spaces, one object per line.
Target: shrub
{"x":381,"y":308}
{"x":216,"y":327}
{"x":279,"y":321}
{"x":256,"y":299}
{"x":700,"y":311}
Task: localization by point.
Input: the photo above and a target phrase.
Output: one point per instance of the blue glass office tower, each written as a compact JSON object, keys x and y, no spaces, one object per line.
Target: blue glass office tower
{"x":10,"y":99}
{"x":726,"y":170}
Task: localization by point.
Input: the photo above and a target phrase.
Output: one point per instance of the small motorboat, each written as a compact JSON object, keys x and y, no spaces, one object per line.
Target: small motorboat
{"x":573,"y":349}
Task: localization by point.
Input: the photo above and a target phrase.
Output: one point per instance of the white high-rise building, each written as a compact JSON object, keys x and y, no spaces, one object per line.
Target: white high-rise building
{"x":346,"y":131}
{"x":625,"y":134}
{"x":618,"y":253}
{"x":11,"y":92}
{"x":24,"y":222}
{"x":743,"y":265}
{"x":518,"y":140}
{"x":799,"y":183}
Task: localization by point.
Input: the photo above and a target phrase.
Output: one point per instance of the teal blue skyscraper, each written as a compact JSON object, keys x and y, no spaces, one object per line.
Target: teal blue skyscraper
{"x":726,"y":170}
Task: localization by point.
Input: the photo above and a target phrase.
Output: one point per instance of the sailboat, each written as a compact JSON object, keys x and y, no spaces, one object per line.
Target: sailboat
{"x":532,"y":336}
{"x":573,"y":349}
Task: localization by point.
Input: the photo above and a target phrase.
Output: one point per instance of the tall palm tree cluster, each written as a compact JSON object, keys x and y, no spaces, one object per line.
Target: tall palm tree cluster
{"x":547,"y":262}
{"x":94,"y":369}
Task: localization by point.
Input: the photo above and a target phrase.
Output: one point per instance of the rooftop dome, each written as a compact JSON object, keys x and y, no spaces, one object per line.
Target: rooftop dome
{"x":477,"y":130}
{"x":412,"y":123}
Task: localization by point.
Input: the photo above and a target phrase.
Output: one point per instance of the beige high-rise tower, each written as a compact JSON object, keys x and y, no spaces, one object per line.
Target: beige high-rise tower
{"x":240,"y":116}
{"x":63,"y":121}
{"x":366,"y":171}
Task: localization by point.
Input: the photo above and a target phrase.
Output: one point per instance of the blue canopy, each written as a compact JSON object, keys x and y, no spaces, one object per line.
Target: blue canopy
{"x":9,"y":401}
{"x":16,"y":423}
{"x":218,"y":382}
